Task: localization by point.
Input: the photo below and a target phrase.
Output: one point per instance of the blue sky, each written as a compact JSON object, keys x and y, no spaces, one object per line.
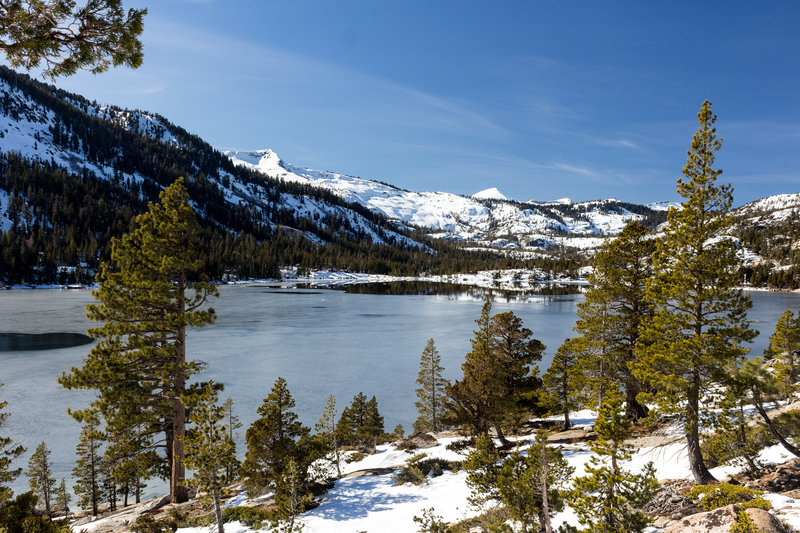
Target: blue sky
{"x":540,"y":99}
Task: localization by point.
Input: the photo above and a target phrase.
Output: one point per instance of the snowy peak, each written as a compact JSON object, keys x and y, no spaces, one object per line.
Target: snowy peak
{"x":482,"y":217}
{"x":490,"y":194}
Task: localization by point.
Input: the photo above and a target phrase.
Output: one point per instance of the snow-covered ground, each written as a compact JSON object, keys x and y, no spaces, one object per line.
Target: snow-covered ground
{"x":375,"y":504}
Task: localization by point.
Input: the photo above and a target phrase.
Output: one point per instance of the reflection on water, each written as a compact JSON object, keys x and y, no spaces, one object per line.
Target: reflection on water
{"x":17,"y":342}
{"x":429,"y":288}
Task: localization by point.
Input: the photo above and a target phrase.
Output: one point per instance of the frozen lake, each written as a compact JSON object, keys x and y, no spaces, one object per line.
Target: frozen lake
{"x":321,"y":341}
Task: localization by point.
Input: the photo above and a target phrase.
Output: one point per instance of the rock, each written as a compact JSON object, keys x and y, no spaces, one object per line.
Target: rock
{"x":765,"y":522}
{"x":717,"y":521}
{"x":661,"y":522}
{"x":571,"y":436}
{"x":423,"y":440}
{"x":723,"y":519}
{"x":477,"y":529}
{"x":156,"y":503}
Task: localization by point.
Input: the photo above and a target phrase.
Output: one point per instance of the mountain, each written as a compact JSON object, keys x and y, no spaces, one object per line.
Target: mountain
{"x":483,"y":218}
{"x":492,"y":193}
{"x":73,"y":175}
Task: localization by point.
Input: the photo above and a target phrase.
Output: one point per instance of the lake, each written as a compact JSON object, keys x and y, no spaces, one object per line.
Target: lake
{"x":321,"y":341}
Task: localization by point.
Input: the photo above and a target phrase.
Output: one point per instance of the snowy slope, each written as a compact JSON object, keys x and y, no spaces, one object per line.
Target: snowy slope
{"x":29,"y":128}
{"x":484,"y":216}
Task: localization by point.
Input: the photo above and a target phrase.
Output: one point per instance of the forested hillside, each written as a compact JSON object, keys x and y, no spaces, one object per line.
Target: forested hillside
{"x":73,"y":175}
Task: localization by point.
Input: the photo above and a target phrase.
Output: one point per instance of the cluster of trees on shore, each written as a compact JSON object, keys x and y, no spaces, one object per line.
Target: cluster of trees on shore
{"x":662,"y":329}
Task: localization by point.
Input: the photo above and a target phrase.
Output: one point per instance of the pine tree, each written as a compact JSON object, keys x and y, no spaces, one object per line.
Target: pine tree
{"x":784,"y":350}
{"x":290,"y":498}
{"x":69,"y":38}
{"x":8,"y":452}
{"x":87,"y":471}
{"x":232,"y":425}
{"x":560,"y":383}
{"x":696,"y":333}
{"x":209,"y":450}
{"x":608,"y":499}
{"x":430,"y":391}
{"x":529,"y":486}
{"x":62,"y":498}
{"x":360,"y":422}
{"x":40,"y":475}
{"x":146,"y":301}
{"x":499,"y":380}
{"x":373,"y":421}
{"x":326,"y":432}
{"x":272,"y":440}
{"x":611,"y":316}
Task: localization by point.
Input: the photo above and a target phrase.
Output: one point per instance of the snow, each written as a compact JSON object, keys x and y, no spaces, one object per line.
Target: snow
{"x":463,"y":218}
{"x":492,"y":193}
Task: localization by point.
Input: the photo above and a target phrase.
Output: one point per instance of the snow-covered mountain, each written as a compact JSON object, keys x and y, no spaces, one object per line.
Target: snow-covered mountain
{"x":485,"y":216}
{"x":40,"y":123}
{"x":139,"y":151}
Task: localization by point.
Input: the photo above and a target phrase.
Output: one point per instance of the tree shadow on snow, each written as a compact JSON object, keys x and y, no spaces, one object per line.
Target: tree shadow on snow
{"x":358,"y":497}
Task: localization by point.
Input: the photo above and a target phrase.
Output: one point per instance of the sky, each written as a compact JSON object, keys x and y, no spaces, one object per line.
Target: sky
{"x":542,"y":100}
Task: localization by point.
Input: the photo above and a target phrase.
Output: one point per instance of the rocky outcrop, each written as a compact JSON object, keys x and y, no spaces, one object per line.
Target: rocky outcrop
{"x":423,"y":440}
{"x":723,"y":519}
{"x":779,"y":478}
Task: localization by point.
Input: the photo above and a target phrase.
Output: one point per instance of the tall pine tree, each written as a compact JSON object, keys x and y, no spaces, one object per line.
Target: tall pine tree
{"x":610,"y":318}
{"x":695,"y":336}
{"x":87,"y":471}
{"x":272,"y":440}
{"x":430,"y":391}
{"x":40,"y":475}
{"x":147,"y":298}
{"x":209,"y":451}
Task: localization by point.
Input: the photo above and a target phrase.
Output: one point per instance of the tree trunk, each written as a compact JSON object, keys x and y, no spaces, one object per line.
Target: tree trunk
{"x":545,"y":504}
{"x":177,"y":486}
{"x":701,"y":474}
{"x":217,"y":509}
{"x":504,"y":442}
{"x":567,"y":423}
{"x":635,"y":410}
{"x":786,"y":444}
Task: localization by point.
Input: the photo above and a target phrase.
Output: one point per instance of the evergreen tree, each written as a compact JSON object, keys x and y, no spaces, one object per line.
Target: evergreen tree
{"x":608,"y":499}
{"x":272,"y":440}
{"x":8,"y":452}
{"x":232,"y":425}
{"x":40,"y":475}
{"x":499,"y":380}
{"x":611,"y":316}
{"x":560,"y":382}
{"x":326,"y":431}
{"x":290,"y":498}
{"x":68,"y":37}
{"x":360,"y":422}
{"x":784,"y":350}
{"x":209,"y":449}
{"x":62,"y":498}
{"x":700,"y":322}
{"x":87,"y":471}
{"x":430,"y":391}
{"x":146,"y":301}
{"x":529,"y":486}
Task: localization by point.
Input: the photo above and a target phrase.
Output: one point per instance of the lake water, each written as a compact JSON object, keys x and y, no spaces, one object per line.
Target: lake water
{"x":321,"y":341}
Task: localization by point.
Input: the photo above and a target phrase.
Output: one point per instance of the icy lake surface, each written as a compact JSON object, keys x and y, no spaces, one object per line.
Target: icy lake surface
{"x":321,"y":341}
